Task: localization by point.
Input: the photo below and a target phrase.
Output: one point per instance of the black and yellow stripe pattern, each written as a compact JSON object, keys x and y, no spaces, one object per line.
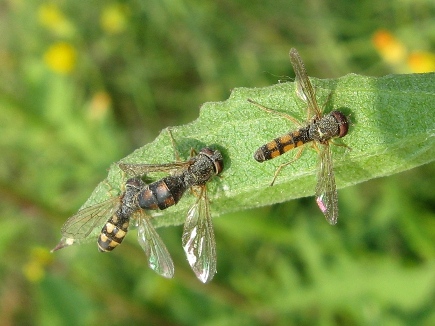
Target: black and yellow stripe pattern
{"x":282,"y":144}
{"x":113,"y":233}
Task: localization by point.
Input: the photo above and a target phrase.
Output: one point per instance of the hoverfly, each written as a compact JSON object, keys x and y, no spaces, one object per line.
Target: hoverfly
{"x":198,"y":236}
{"x":319,"y":129}
{"x":109,"y":220}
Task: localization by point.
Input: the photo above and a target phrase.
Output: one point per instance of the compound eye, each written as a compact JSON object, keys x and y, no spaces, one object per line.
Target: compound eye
{"x":342,"y":122}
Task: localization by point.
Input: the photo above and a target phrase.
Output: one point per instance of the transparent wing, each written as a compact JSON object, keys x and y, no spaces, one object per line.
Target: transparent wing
{"x":142,"y":169}
{"x":159,"y":259}
{"x":198,"y":239}
{"x":326,"y":191}
{"x":305,"y":90}
{"x":87,"y":223}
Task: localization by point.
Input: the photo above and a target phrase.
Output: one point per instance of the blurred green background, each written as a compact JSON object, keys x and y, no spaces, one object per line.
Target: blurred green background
{"x":85,"y":83}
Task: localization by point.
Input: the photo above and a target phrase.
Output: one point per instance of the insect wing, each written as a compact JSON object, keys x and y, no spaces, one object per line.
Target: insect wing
{"x":142,"y":169}
{"x":87,"y":223}
{"x":305,"y":90}
{"x":198,"y":239}
{"x":326,"y":191}
{"x":159,"y":259}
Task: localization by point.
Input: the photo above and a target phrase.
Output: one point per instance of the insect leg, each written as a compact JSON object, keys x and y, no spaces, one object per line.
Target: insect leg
{"x":176,"y":154}
{"x":278,"y":170}
{"x":341,"y":145}
{"x":285,"y":116}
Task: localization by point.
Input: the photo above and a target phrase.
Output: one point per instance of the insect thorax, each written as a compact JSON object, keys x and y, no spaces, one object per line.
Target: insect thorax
{"x":129,"y":200}
{"x":324,"y":129}
{"x":199,"y":173}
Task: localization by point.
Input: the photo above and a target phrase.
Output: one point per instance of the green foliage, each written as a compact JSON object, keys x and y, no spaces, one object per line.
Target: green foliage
{"x":150,"y":65}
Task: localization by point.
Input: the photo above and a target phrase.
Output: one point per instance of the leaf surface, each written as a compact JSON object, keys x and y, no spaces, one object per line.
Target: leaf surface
{"x":392,"y":130}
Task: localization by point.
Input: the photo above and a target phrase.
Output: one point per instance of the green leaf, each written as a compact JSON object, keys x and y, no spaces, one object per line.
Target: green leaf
{"x":392,"y":130}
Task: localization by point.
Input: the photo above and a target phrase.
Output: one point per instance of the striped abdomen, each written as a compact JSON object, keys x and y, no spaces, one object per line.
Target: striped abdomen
{"x":282,"y":144}
{"x":113,"y":233}
{"x":163,"y":193}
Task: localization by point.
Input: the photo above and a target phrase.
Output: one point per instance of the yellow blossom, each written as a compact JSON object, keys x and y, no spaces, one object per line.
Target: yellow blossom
{"x":53,"y":19}
{"x":61,"y":57}
{"x":113,"y":19}
{"x":99,"y":106}
{"x":34,"y":270}
{"x":390,"y":48}
{"x":421,"y":62}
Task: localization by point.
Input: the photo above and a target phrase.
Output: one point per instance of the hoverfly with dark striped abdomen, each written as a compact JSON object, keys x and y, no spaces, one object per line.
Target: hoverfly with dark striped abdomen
{"x":198,"y":236}
{"x":110,"y":221}
{"x":319,"y":129}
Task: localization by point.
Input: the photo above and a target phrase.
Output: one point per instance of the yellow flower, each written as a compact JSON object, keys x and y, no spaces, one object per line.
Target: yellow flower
{"x":34,"y":270}
{"x":54,"y":20}
{"x":390,"y":48}
{"x":99,"y":106}
{"x":114,"y":18}
{"x":421,"y":62}
{"x":61,"y":57}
